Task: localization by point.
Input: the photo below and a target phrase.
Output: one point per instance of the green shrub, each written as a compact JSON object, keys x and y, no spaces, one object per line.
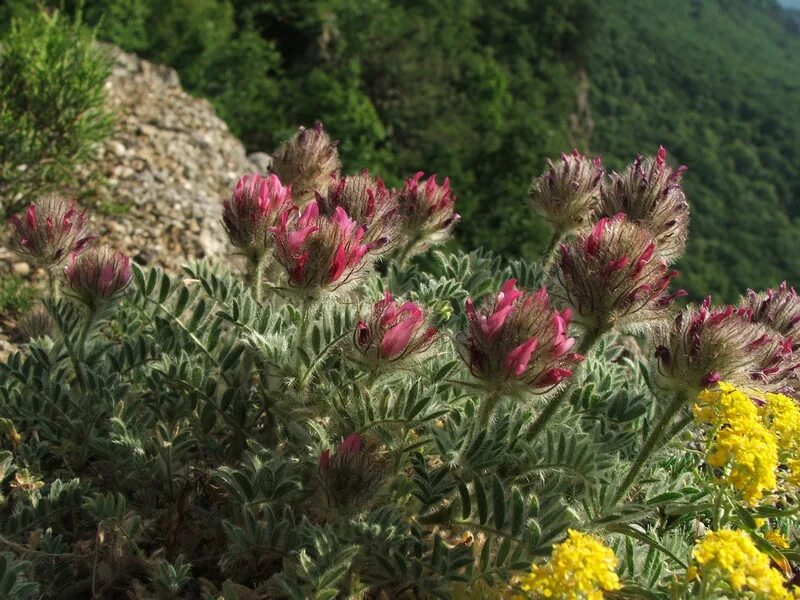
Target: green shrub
{"x":52,"y":110}
{"x":16,"y":295}
{"x":319,"y":428}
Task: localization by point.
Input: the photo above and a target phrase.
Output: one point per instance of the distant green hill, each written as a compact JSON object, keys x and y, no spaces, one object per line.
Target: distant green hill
{"x":484,"y":91}
{"x":718,"y":84}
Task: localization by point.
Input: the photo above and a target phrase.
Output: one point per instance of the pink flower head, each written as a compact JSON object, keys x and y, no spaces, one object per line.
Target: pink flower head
{"x":307,"y":161}
{"x":612,"y":276}
{"x":707,"y":344}
{"x":649,"y":192}
{"x":257,"y":204}
{"x":348,"y":446}
{"x":368,"y":202}
{"x":427,"y":210}
{"x":778,"y":310}
{"x":394,"y":331}
{"x":320,"y":251}
{"x":567,"y":192}
{"x":98,"y":276}
{"x":50,"y":230}
{"x":352,"y":475}
{"x":519,"y":340}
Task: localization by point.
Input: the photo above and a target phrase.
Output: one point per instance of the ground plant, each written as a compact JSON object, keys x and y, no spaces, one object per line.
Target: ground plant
{"x":359,"y":413}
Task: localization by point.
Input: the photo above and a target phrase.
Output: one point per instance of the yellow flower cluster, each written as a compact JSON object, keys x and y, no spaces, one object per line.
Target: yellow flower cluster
{"x":781,"y":415}
{"x":731,"y":556}
{"x":741,"y":445}
{"x":580,"y":568}
{"x":777,"y":539}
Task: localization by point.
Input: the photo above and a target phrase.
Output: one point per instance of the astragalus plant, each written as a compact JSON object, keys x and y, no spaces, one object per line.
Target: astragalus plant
{"x":340,"y":420}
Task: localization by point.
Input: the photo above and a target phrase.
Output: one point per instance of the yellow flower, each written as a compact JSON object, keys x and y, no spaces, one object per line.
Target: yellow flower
{"x":741,"y":446}
{"x":580,"y":568}
{"x":733,"y":557}
{"x":781,"y":415}
{"x":777,"y":539}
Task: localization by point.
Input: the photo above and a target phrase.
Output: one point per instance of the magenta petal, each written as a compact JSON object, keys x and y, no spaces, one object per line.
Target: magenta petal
{"x":396,"y":339}
{"x":350,"y":445}
{"x":517,"y":360}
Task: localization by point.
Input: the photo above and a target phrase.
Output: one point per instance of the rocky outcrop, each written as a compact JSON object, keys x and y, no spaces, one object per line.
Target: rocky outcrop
{"x":169,"y":164}
{"x":163,"y":173}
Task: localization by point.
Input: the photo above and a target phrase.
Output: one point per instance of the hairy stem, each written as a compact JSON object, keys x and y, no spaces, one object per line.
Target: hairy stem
{"x":84,"y":335}
{"x":549,"y":254}
{"x":654,"y":440}
{"x":255,"y":268}
{"x":586,"y":344}
{"x":53,"y":286}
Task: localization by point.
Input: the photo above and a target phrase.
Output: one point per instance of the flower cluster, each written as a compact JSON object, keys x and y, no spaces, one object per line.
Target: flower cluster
{"x":740,"y":446}
{"x":519,"y":340}
{"x":50,"y":230}
{"x":580,"y":568}
{"x":779,"y":310}
{"x":98,"y":276}
{"x":257,"y":204}
{"x":393,"y":332}
{"x":368,"y":202}
{"x":649,"y":193}
{"x":731,"y":558}
{"x":352,"y":475}
{"x":427,"y":211}
{"x":307,"y":161}
{"x":707,"y":344}
{"x":320,"y":251}
{"x":612,"y":277}
{"x":566,"y":194}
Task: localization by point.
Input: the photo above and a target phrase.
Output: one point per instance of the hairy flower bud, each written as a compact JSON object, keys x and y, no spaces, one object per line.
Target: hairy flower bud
{"x":706,"y":345}
{"x":649,"y":192}
{"x":393,"y":332}
{"x":36,"y":323}
{"x":50,"y":229}
{"x":351,"y":476}
{"x":256,"y":205}
{"x":427,"y":211}
{"x":519,"y":341}
{"x":307,"y":161}
{"x":612,"y":277}
{"x":779,"y":310}
{"x":98,"y":276}
{"x":368,"y":202}
{"x":320,"y":251}
{"x":566,"y":193}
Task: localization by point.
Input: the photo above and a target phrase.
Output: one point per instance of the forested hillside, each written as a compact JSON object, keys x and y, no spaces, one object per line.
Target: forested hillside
{"x":483,"y":92}
{"x":718,"y":84}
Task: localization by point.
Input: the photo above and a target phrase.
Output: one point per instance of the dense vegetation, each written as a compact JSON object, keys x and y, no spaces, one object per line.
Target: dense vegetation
{"x":52,"y":106}
{"x":340,"y":421}
{"x":483,"y":92}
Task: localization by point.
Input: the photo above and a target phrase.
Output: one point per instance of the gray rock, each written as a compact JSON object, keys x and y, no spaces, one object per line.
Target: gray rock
{"x":261,"y":160}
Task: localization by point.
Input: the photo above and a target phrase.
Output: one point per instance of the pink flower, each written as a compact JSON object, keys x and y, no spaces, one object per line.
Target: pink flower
{"x":320,"y":251}
{"x":257,"y":204}
{"x":307,"y":161}
{"x":368,"y":202}
{"x":50,"y":230}
{"x":393,"y":331}
{"x":519,"y":340}
{"x":427,"y":210}
{"x":649,"y":192}
{"x":567,"y":192}
{"x":779,"y":310}
{"x":349,"y":445}
{"x":707,"y":344}
{"x":613,"y":277}
{"x":98,"y":277}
